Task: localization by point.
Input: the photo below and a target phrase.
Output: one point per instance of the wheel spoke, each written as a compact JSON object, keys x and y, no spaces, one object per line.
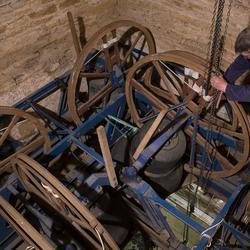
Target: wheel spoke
{"x":5,"y":134}
{"x":174,"y":78}
{"x":141,"y":49}
{"x":223,"y":130}
{"x":168,"y":85}
{"x":211,"y":150}
{"x":147,"y":94}
{"x":139,"y":35}
{"x":107,"y":55}
{"x":117,"y":54}
{"x":95,"y":99}
{"x":23,"y":227}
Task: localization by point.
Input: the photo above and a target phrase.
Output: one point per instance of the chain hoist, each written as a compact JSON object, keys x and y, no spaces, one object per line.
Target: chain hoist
{"x":214,"y":56}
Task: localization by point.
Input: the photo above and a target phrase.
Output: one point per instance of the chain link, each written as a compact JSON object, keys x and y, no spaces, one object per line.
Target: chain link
{"x":217,"y":51}
{"x":213,"y":60}
{"x":223,"y":38}
{"x":215,"y":44}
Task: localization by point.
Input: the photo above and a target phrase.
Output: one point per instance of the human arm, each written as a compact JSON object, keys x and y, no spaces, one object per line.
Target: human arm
{"x":233,"y":92}
{"x":238,"y":93}
{"x":219,"y":83}
{"x":236,"y":69}
{"x":226,"y":83}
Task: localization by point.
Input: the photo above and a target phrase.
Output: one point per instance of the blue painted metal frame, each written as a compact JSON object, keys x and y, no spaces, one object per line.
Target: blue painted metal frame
{"x":86,"y":126}
{"x":45,"y":91}
{"x":139,"y":187}
{"x":220,"y":217}
{"x":237,"y":234}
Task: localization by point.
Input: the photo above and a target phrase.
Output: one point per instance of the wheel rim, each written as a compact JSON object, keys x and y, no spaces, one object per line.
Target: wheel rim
{"x":11,"y":118}
{"x":38,"y":181}
{"x":236,"y":128}
{"x":22,"y":226}
{"x":120,"y":56}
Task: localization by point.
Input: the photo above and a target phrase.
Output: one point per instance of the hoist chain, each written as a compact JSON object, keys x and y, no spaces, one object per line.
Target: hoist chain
{"x":210,"y":39}
{"x":214,"y":51}
{"x":214,"y":62}
{"x":223,"y":37}
{"x":214,"y":56}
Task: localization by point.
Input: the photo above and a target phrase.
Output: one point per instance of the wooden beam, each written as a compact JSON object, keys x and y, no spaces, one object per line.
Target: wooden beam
{"x":149,"y":133}
{"x":107,"y":156}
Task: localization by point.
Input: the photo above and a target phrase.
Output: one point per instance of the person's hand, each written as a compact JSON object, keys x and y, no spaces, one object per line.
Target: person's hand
{"x":219,"y":83}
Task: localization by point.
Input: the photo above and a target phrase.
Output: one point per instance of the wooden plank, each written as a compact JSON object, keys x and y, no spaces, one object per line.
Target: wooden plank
{"x":73,"y":33}
{"x":149,"y":133}
{"x":107,"y":156}
{"x":94,"y":74}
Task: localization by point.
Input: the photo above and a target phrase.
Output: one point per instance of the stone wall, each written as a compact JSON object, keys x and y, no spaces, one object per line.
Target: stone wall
{"x":35,"y":40}
{"x":185,"y":24}
{"x":36,"y":45}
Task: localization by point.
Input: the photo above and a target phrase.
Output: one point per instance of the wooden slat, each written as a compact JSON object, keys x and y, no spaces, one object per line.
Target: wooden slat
{"x":73,"y":33}
{"x":94,"y":74}
{"x":107,"y":156}
{"x":139,"y":35}
{"x":13,"y":122}
{"x":149,"y":133}
{"x":166,"y":81}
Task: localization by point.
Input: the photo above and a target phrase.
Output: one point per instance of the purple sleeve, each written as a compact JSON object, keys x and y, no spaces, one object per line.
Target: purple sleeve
{"x":238,"y":93}
{"x":236,"y":69}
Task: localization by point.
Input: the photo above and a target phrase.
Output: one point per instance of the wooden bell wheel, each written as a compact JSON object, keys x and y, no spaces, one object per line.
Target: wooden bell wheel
{"x":39,"y":182}
{"x":176,"y":77}
{"x":108,"y":54}
{"x":20,"y":132}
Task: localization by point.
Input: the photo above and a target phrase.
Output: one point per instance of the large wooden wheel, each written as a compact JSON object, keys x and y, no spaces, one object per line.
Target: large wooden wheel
{"x":23,"y":227}
{"x":108,"y":54}
{"x":39,"y":182}
{"x":20,"y":132}
{"x":168,"y":79}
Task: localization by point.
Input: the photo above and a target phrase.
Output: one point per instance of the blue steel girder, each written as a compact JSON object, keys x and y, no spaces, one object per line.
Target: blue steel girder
{"x":41,"y":111}
{"x":238,"y":235}
{"x":138,"y":186}
{"x":147,"y":153}
{"x":222,"y":138}
{"x":43,"y":92}
{"x":85,"y":127}
{"x":143,"y":189}
{"x":5,"y":230}
{"x":210,"y":232}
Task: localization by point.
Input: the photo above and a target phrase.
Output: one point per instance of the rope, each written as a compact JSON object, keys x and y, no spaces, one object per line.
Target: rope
{"x":209,"y":237}
{"x":91,"y":58}
{"x":100,"y":238}
{"x":104,"y":46}
{"x":194,"y":87}
{"x":49,"y":189}
{"x":29,"y":248}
